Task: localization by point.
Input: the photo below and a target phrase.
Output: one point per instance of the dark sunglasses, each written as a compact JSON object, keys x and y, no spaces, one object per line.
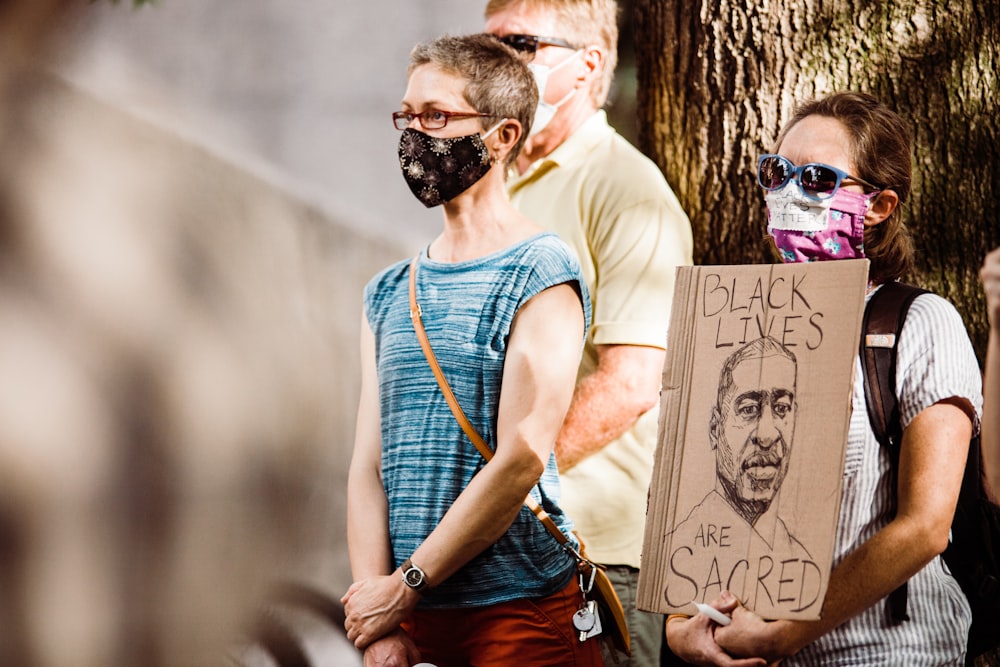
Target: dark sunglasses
{"x":530,"y":43}
{"x":817,"y":181}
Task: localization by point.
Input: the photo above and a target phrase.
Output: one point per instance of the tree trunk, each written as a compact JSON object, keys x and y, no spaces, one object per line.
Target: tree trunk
{"x":718,"y":78}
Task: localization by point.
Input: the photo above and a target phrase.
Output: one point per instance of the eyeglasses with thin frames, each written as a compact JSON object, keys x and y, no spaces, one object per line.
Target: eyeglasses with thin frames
{"x":816,"y":180}
{"x":528,"y":44}
{"x":432,"y":119}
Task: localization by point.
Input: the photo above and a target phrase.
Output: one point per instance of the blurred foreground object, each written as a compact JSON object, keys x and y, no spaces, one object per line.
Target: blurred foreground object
{"x":165,"y":404}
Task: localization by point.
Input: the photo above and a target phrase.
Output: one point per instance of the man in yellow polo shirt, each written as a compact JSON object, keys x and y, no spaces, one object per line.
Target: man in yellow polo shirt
{"x":579,"y":178}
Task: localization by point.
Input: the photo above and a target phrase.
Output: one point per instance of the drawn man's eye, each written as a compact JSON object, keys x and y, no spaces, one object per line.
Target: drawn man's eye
{"x":781,"y":409}
{"x":748,"y":409}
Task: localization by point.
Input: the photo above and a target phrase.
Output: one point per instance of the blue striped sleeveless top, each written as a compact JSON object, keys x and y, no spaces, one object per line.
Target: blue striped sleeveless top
{"x":467,"y":309}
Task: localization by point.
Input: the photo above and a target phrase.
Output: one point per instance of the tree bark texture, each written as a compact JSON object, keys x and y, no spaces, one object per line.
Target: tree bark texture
{"x":718,"y":78}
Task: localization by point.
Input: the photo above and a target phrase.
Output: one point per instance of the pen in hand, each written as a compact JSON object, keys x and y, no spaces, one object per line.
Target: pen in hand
{"x":713,"y":613}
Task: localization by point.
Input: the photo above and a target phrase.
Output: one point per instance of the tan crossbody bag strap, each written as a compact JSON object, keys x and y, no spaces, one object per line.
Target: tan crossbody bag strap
{"x":456,"y":409}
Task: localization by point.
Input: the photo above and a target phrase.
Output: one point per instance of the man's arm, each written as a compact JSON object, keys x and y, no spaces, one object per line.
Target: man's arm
{"x":608,"y":402}
{"x":636,"y":250}
{"x":930,"y":474}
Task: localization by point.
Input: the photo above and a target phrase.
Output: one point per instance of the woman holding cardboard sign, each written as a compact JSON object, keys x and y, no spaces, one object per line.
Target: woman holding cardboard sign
{"x":833,"y":188}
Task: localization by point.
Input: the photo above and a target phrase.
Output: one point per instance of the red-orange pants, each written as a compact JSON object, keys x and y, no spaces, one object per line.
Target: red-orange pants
{"x":525,"y":633}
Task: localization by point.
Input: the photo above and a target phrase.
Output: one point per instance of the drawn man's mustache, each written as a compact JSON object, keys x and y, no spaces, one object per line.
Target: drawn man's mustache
{"x":762,"y":459}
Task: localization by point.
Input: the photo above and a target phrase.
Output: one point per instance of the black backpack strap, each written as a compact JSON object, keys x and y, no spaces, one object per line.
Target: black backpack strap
{"x":883,"y":321}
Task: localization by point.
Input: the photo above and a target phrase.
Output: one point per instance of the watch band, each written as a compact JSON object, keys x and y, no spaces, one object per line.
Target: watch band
{"x":414,"y":577}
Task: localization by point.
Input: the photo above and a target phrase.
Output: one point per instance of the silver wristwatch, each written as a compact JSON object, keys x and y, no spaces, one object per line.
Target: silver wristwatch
{"x":414,"y":577}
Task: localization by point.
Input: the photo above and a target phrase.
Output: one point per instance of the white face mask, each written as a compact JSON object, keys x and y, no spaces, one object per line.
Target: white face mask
{"x":545,"y":111}
{"x":789,"y":209}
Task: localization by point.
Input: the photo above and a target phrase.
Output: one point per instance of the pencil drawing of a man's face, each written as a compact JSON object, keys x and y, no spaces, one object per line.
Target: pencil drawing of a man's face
{"x":752,"y":428}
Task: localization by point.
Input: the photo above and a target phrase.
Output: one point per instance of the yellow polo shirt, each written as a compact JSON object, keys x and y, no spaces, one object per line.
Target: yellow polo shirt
{"x":613,"y":207}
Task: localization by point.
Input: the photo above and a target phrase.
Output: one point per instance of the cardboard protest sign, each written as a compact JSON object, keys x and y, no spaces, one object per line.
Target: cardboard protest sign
{"x":755,"y":407}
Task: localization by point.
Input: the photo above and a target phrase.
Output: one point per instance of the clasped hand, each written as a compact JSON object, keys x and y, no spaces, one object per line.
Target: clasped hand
{"x":701,"y":641}
{"x":375,"y":607}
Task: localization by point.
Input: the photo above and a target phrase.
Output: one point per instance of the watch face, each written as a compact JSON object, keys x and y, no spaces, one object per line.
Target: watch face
{"x":414,"y":577}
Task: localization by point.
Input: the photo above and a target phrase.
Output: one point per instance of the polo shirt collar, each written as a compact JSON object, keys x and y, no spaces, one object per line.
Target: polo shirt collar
{"x":577,"y":146}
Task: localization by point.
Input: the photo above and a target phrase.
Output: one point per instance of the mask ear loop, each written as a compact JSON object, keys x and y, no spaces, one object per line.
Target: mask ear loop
{"x":490,"y":131}
{"x":572,"y":91}
{"x":578,"y":52}
{"x":494,"y":128}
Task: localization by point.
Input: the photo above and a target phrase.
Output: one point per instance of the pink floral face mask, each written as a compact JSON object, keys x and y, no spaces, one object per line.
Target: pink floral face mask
{"x":807,"y":230}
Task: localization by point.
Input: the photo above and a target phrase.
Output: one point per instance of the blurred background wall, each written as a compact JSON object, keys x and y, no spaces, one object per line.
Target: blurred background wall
{"x":276,"y":115}
{"x":192,"y":196}
{"x":300,"y":90}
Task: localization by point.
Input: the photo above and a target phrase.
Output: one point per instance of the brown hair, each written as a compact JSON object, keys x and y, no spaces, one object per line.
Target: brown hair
{"x":880,"y":152}
{"x":581,"y":22}
{"x":499,"y":83}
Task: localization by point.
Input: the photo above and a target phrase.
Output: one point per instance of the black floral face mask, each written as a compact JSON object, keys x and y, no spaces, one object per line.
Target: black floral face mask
{"x":438,"y":170}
